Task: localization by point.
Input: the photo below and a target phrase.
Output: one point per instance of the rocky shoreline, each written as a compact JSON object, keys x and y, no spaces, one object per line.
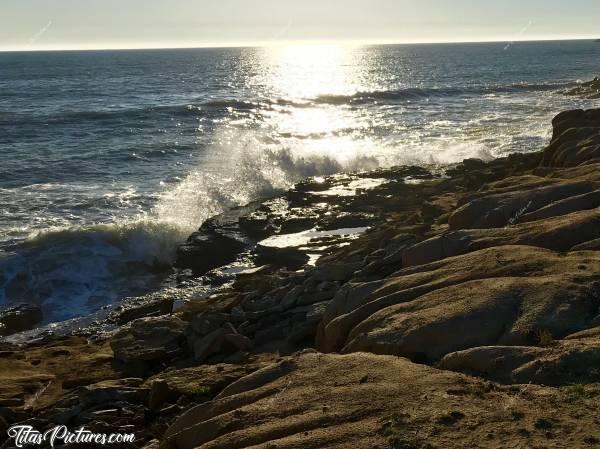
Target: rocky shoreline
{"x":403,"y":308}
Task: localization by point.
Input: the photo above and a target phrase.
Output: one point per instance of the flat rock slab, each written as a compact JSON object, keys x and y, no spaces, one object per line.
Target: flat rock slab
{"x":369,"y":401}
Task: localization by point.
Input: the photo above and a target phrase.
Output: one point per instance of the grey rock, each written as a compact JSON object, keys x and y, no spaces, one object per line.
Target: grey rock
{"x":259,"y":304}
{"x":161,"y":394}
{"x":238,"y":316}
{"x":313,"y":298}
{"x":204,"y":324}
{"x":146,"y":306}
{"x":154,"y":444}
{"x":208,"y":345}
{"x":239,"y":341}
{"x":336,"y":272}
{"x":149,"y":340}
{"x":290,"y":299}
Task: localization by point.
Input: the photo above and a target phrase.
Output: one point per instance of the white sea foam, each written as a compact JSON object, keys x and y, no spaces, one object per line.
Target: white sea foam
{"x":73,"y":270}
{"x":240,"y":167}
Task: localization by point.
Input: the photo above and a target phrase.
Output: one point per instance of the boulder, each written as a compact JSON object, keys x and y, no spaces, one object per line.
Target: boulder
{"x":576,"y":139}
{"x":206,"y":323}
{"x":570,"y":362}
{"x":208,"y":345}
{"x":218,"y":242}
{"x":497,"y":210}
{"x":332,"y":272}
{"x":212,"y":334}
{"x":149,"y":340}
{"x":206,"y":250}
{"x":161,"y":394}
{"x":493,"y":362}
{"x":443,"y":294}
{"x":291,"y":258}
{"x":576,"y":118}
{"x":19,"y":318}
{"x":557,"y":233}
{"x":132,"y":309}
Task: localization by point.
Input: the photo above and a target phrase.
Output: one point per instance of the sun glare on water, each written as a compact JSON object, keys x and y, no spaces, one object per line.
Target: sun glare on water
{"x":316,"y":78}
{"x":309,"y":71}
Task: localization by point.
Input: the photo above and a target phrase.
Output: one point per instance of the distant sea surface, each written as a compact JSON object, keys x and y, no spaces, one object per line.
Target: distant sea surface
{"x":109,"y":159}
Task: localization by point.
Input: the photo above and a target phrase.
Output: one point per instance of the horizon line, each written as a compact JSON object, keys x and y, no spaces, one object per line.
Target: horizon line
{"x":267,"y":44}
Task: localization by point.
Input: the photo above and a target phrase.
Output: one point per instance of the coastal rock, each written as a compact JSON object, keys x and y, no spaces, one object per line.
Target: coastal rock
{"x":503,"y":209}
{"x":332,"y":272}
{"x":218,"y":242}
{"x":210,"y":335}
{"x":570,"y":362}
{"x":205,"y":323}
{"x":149,"y":340}
{"x":19,"y":318}
{"x":510,"y":294}
{"x":289,"y":257}
{"x":82,"y":403}
{"x":506,"y":311}
{"x":207,"y":250}
{"x":576,"y":139}
{"x":496,"y":363}
{"x":496,"y":282}
{"x":557,"y":233}
{"x":569,"y":205}
{"x":142,"y":307}
{"x":203,"y":381}
{"x":589,"y":90}
{"x":207,"y":345}
{"x":369,"y":401}
{"x":120,"y":390}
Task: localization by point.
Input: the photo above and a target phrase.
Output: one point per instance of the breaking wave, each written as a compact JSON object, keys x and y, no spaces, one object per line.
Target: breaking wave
{"x":76,"y":270}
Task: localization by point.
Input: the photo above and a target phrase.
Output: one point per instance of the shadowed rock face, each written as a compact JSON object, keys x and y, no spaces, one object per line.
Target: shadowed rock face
{"x":557,"y":233}
{"x":574,"y":360}
{"x":19,"y":318}
{"x":575,"y":139}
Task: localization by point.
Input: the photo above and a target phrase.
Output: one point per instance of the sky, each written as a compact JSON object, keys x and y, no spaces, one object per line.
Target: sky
{"x":74,"y":24}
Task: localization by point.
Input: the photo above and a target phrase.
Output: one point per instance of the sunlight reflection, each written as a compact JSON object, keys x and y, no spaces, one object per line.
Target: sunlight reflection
{"x":307,"y":75}
{"x":308,"y":71}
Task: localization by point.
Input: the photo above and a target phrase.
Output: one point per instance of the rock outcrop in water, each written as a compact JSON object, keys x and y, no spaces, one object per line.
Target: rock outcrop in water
{"x":402,"y":308}
{"x":19,"y":318}
{"x":589,"y":89}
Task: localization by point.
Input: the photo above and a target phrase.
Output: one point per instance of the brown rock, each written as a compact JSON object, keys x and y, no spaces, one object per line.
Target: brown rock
{"x":493,"y":362}
{"x":506,"y":274}
{"x":323,"y":401}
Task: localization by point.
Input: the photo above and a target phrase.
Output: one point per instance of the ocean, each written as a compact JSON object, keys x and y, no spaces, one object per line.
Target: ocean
{"x":110,"y":159}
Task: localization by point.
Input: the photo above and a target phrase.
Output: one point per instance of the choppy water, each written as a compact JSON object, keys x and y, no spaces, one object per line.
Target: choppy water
{"x":109,"y":159}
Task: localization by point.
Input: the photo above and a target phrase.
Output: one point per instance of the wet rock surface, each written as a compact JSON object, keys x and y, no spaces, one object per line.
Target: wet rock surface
{"x":311,"y":220}
{"x":19,"y":318}
{"x":392,"y":309}
{"x":588,"y":89}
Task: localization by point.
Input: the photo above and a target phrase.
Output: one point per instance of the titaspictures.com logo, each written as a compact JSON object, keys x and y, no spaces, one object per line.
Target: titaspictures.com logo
{"x":26,"y":436}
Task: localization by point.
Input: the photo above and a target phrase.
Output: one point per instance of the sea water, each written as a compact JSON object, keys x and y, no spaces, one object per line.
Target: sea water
{"x":110,"y":159}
